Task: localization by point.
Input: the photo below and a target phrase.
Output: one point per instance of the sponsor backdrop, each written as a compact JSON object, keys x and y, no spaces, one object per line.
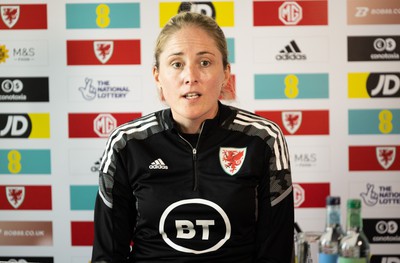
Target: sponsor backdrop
{"x":328,"y":72}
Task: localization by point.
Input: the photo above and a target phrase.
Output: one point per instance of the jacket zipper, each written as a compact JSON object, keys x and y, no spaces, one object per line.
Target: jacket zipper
{"x":194,"y":157}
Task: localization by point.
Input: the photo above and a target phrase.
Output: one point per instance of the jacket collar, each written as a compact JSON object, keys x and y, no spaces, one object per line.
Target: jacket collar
{"x":209,"y":124}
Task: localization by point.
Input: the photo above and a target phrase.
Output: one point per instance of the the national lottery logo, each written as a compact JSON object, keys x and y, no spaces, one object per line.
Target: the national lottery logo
{"x":102,"y":89}
{"x":10,"y":15}
{"x":15,"y":195}
{"x":103,"y":50}
{"x":386,"y":156}
{"x":195,"y":226}
{"x":291,"y":120}
{"x":380,"y":195}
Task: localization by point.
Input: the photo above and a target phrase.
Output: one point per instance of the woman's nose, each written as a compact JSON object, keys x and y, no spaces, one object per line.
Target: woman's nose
{"x":191,"y":74}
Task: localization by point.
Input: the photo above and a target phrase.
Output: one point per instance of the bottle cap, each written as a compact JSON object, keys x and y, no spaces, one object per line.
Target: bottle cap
{"x":354,"y":203}
{"x":333,"y":200}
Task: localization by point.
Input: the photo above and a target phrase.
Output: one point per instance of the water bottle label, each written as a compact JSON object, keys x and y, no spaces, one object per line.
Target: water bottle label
{"x":327,"y":258}
{"x":352,"y":260}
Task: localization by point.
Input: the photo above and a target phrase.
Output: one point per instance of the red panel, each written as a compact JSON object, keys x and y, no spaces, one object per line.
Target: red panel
{"x":266,"y":13}
{"x":364,"y":158}
{"x":81,"y":52}
{"x":22,"y":197}
{"x":30,"y":17}
{"x":311,"y":195}
{"x":82,"y":233}
{"x":314,"y":122}
{"x":81,"y":125}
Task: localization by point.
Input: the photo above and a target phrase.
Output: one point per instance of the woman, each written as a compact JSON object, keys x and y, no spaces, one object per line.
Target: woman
{"x":200,"y":181}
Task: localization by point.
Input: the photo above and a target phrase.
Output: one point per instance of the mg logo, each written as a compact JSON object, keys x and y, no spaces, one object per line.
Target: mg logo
{"x":104,"y":124}
{"x":290,"y":13}
{"x":299,"y":195}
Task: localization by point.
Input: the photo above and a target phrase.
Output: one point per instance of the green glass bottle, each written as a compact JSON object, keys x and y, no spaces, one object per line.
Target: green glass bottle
{"x":328,"y":245}
{"x":354,"y":247}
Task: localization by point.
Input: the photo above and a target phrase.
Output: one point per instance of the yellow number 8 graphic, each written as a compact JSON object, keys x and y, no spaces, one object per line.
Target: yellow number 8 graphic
{"x":385,"y":121}
{"x":102,"y":12}
{"x":291,"y":90}
{"x":14,"y":164}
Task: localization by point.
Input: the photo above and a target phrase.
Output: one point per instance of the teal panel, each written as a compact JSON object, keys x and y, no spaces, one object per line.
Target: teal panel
{"x":17,"y":161}
{"x":231,"y":49}
{"x":112,"y":15}
{"x":374,"y":121}
{"x":291,"y":86}
{"x":83,"y":197}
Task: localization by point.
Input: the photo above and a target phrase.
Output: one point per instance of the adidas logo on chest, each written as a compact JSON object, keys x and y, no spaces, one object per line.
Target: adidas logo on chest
{"x":158,"y":164}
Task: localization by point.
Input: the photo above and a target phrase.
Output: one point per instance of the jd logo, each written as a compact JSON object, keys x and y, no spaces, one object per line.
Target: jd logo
{"x":383,"y":85}
{"x":204,"y":8}
{"x":195,"y":226}
{"x":15,"y":125}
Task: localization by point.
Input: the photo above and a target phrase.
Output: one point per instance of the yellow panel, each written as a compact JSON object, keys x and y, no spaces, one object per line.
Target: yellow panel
{"x":357,"y":85}
{"x":224,"y":12}
{"x":40,"y":125}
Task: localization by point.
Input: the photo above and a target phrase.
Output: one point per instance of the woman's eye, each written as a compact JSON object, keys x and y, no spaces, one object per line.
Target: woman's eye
{"x":205,"y":63}
{"x":176,"y":65}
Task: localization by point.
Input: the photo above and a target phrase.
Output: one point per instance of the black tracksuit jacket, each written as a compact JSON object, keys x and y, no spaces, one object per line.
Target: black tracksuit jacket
{"x":226,"y":197}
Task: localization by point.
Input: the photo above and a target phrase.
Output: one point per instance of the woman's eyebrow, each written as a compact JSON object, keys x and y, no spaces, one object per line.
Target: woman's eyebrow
{"x":198,"y":53}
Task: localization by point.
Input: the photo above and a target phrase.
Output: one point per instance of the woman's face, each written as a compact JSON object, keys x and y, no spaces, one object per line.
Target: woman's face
{"x":191,"y":76}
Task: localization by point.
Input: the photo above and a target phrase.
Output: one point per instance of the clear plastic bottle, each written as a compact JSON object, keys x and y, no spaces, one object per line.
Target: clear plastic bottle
{"x":328,"y":245}
{"x":354,"y":247}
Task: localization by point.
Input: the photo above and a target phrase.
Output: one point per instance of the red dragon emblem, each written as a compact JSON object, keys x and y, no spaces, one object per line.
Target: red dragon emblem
{"x":292,"y":120}
{"x":15,"y":195}
{"x":386,"y":156}
{"x":231,"y":159}
{"x":103,"y":50}
{"x":9,"y":15}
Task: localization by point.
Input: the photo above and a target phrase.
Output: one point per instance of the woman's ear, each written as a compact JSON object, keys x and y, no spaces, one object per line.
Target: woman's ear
{"x":156,"y":76}
{"x":227,"y":73}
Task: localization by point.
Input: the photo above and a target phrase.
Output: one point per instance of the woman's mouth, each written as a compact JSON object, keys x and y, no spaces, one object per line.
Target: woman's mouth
{"x":192,"y":95}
